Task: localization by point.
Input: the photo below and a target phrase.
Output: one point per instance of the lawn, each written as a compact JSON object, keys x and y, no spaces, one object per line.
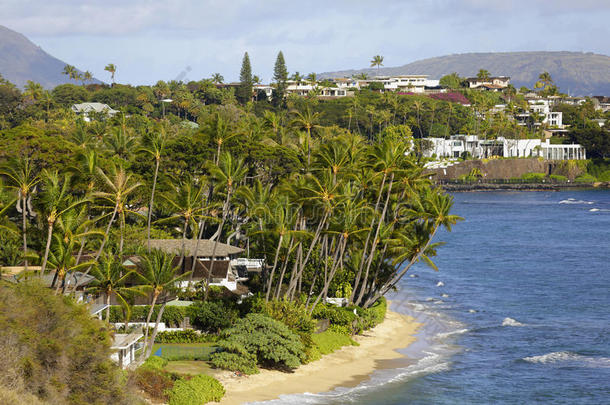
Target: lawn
{"x":183,"y":351}
{"x":190,"y":367}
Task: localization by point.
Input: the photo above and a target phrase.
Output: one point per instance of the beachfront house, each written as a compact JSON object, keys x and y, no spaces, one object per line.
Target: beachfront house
{"x":124,"y":347}
{"x":227,"y":268}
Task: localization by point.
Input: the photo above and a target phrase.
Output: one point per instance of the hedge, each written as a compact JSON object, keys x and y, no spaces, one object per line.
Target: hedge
{"x":329,"y":341}
{"x":200,"y":389}
{"x":172,"y":315}
{"x":183,"y":336}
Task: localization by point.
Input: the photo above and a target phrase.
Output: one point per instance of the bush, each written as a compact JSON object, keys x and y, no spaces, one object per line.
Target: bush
{"x":533,"y":177}
{"x":329,"y":341}
{"x":154,"y":382}
{"x":200,"y":389}
{"x":336,"y":315}
{"x":235,"y":358}
{"x":558,"y":178}
{"x":182,"y":336}
{"x":271,"y":342}
{"x":155,"y":363}
{"x":172,"y":315}
{"x":292,"y":314}
{"x":211,"y":316}
{"x":585,"y":178}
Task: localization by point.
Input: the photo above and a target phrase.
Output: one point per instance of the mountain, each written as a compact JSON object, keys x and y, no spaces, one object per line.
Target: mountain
{"x":21,"y":60}
{"x":576,"y":73}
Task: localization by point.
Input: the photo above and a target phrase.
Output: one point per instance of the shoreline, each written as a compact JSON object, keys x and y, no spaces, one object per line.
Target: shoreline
{"x":457,"y":187}
{"x":346,"y":367}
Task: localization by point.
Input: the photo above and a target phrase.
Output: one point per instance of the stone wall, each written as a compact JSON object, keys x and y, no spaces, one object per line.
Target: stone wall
{"x":508,"y":168}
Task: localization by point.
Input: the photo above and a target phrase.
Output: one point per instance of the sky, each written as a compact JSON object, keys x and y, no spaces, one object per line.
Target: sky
{"x":150,"y":40}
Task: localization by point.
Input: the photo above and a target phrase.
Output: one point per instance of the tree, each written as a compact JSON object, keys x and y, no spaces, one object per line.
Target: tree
{"x":87,"y":76}
{"x":71,"y":72}
{"x":280,"y":76}
{"x":154,"y":145}
{"x":111,"y":68}
{"x":483,"y":74}
{"x":54,"y":201}
{"x":109,"y":279}
{"x":22,"y":177}
{"x":307,"y":120}
{"x":158,"y":276}
{"x":244,"y":92}
{"x":451,"y":81}
{"x":377,"y":61}
{"x":217,"y":78}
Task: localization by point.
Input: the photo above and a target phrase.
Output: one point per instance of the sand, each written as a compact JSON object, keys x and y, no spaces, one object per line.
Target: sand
{"x":346,"y":367}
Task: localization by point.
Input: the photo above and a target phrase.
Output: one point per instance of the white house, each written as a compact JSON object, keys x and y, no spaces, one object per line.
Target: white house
{"x":84,"y":109}
{"x":491,"y":83}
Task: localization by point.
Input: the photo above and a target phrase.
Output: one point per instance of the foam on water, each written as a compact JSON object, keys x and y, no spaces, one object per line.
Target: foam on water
{"x":569,"y":359}
{"x":575,"y":201}
{"x":511,"y":322}
{"x":440,"y":284}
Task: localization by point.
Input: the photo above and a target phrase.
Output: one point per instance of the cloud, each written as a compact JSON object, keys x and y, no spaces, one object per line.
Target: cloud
{"x":152,"y":40}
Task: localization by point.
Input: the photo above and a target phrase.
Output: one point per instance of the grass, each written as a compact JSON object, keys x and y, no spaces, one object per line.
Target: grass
{"x":184,"y":351}
{"x":329,"y":341}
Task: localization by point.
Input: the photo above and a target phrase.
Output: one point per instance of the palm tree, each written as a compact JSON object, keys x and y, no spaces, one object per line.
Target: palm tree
{"x":217,"y":78}
{"x":54,"y":200}
{"x":312,"y":78}
{"x":8,"y":200}
{"x":120,"y":142}
{"x":109,"y":279}
{"x":483,"y":74}
{"x":221,"y":131}
{"x":154,"y":145}
{"x":33,"y":91}
{"x":158,"y":276}
{"x":119,"y":186}
{"x":307,"y":120}
{"x":184,"y":200}
{"x":377,"y":61}
{"x":228,"y":173}
{"x":71,"y":72}
{"x":22,"y":177}
{"x":87,"y":76}
{"x":297,"y":77}
{"x":62,"y":261}
{"x":111,"y":68}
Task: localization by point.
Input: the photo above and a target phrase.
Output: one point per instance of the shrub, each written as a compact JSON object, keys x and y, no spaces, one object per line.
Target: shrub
{"x":172,"y":315}
{"x":211,"y":316}
{"x":292,"y":314}
{"x":558,"y":177}
{"x":155,"y":363}
{"x":271,"y":342}
{"x":200,"y":389}
{"x":154,"y":382}
{"x":235,"y":358}
{"x":182,"y":336}
{"x":336,"y":315}
{"x":329,"y":341}
{"x":533,"y":177}
{"x":585,"y":178}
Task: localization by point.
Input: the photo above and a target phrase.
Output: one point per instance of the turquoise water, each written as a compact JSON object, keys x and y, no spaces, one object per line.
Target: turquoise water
{"x":519,"y":312}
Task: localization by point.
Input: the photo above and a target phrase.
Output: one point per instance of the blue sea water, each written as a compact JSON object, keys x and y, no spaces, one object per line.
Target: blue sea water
{"x":519,"y":312}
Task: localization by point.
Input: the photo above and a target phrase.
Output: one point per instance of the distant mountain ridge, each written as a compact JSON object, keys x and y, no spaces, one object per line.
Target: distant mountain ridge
{"x":581,"y":74}
{"x":21,"y":60}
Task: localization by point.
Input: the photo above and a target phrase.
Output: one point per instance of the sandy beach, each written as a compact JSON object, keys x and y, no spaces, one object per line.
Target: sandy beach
{"x":346,"y":367}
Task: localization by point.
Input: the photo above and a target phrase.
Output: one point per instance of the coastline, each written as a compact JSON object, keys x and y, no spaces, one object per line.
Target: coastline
{"x":346,"y":367}
{"x":455,"y":187}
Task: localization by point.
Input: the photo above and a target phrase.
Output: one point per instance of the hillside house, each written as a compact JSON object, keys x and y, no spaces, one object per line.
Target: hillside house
{"x":87,"y":110}
{"x":496,"y":83}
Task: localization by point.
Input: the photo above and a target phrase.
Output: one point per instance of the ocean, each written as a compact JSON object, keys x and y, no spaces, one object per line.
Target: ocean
{"x":518,"y":313}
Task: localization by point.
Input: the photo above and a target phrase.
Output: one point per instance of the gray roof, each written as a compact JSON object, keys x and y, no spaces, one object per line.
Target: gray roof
{"x":205,"y":247}
{"x":93,"y":107}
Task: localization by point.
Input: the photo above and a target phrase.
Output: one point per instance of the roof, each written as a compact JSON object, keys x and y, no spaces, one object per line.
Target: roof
{"x":93,"y":107}
{"x":97,"y":308}
{"x":480,"y":79}
{"x":219,"y":271}
{"x":205,"y":249}
{"x":124,"y":341}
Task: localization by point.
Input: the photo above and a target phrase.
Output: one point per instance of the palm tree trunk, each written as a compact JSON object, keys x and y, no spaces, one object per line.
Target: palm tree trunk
{"x":366,"y":243}
{"x":151,"y":341}
{"x":150,"y":206}
{"x":222,"y":224}
{"x":283,"y":272}
{"x":108,"y":308}
{"x":374,"y":243}
{"x":277,"y":254}
{"x":183,"y":249}
{"x":24,"y":231}
{"x":340,"y":249}
{"x":47,"y":248}
{"x":150,"y":312}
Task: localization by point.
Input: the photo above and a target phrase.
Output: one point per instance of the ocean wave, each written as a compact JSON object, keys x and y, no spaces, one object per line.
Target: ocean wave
{"x":445,"y":295}
{"x":569,"y":358}
{"x":574,"y":201}
{"x":440,"y":284}
{"x":599,"y":210}
{"x":511,"y":322}
{"x":453,"y":333}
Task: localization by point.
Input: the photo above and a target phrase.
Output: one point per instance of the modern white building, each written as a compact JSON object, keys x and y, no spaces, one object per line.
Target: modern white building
{"x":490,"y":83}
{"x":457,"y":145}
{"x":304,"y":88}
{"x":85,"y":109}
